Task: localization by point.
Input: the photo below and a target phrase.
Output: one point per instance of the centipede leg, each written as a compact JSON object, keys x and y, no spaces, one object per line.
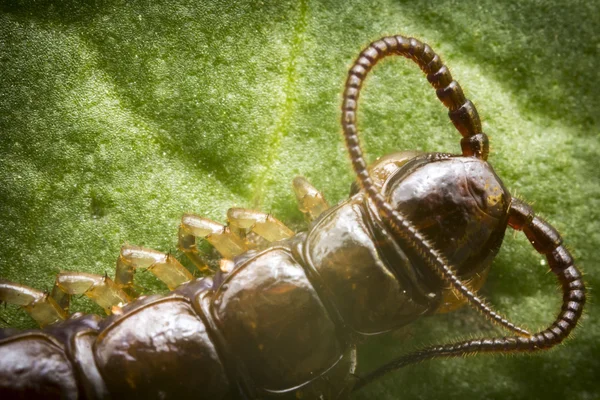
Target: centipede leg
{"x":41,"y":306}
{"x":194,"y":227}
{"x":264,"y":225}
{"x":310,"y":201}
{"x":164,"y":266}
{"x":187,"y":244}
{"x":99,"y":288}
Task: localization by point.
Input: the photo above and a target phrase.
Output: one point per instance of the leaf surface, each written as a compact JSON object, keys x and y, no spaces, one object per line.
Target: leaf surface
{"x":116,"y":118}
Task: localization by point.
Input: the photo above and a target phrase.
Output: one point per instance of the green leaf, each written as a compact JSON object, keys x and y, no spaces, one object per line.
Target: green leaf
{"x":118,"y":117}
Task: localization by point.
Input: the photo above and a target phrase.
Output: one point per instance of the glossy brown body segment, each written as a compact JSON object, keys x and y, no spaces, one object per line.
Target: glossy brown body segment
{"x":369,"y":295}
{"x":162,"y":343}
{"x":266,"y":304}
{"x":33,"y":365}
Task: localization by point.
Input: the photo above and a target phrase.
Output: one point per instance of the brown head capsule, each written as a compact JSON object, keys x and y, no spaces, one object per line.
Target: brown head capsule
{"x":451,"y":211}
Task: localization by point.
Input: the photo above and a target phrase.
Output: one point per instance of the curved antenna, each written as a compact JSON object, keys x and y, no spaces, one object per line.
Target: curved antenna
{"x":474,"y":143}
{"x":546,"y":240}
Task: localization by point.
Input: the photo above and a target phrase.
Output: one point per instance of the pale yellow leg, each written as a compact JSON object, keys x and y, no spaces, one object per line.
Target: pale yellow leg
{"x":187,"y":244}
{"x":265,"y":225}
{"x":310,"y":201}
{"x":62,"y":299}
{"x":100,"y":289}
{"x":42,"y":308}
{"x":164,"y":266}
{"x":110,"y":295}
{"x":194,"y":227}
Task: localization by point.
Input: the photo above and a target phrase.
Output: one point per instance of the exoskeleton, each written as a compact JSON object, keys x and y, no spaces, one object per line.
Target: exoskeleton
{"x":283,"y":313}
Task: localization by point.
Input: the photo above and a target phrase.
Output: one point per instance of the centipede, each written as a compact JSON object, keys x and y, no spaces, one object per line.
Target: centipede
{"x":281,"y":315}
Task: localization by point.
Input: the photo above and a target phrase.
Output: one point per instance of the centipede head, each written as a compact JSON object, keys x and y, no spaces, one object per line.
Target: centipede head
{"x":465,"y":118}
{"x":457,"y":202}
{"x":433,"y":202}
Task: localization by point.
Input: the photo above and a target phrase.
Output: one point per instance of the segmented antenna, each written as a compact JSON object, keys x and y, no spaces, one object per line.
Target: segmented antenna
{"x":465,"y":118}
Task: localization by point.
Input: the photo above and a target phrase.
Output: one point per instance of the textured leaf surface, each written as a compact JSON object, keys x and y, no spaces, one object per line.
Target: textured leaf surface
{"x":117,"y":118}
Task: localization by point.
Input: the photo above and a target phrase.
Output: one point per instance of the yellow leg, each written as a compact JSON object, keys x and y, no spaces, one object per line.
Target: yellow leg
{"x":100,"y":289}
{"x":42,"y":308}
{"x":265,"y":225}
{"x":187,"y":244}
{"x":310,"y":201}
{"x":194,"y":227}
{"x":164,"y":266}
{"x":62,"y":299}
